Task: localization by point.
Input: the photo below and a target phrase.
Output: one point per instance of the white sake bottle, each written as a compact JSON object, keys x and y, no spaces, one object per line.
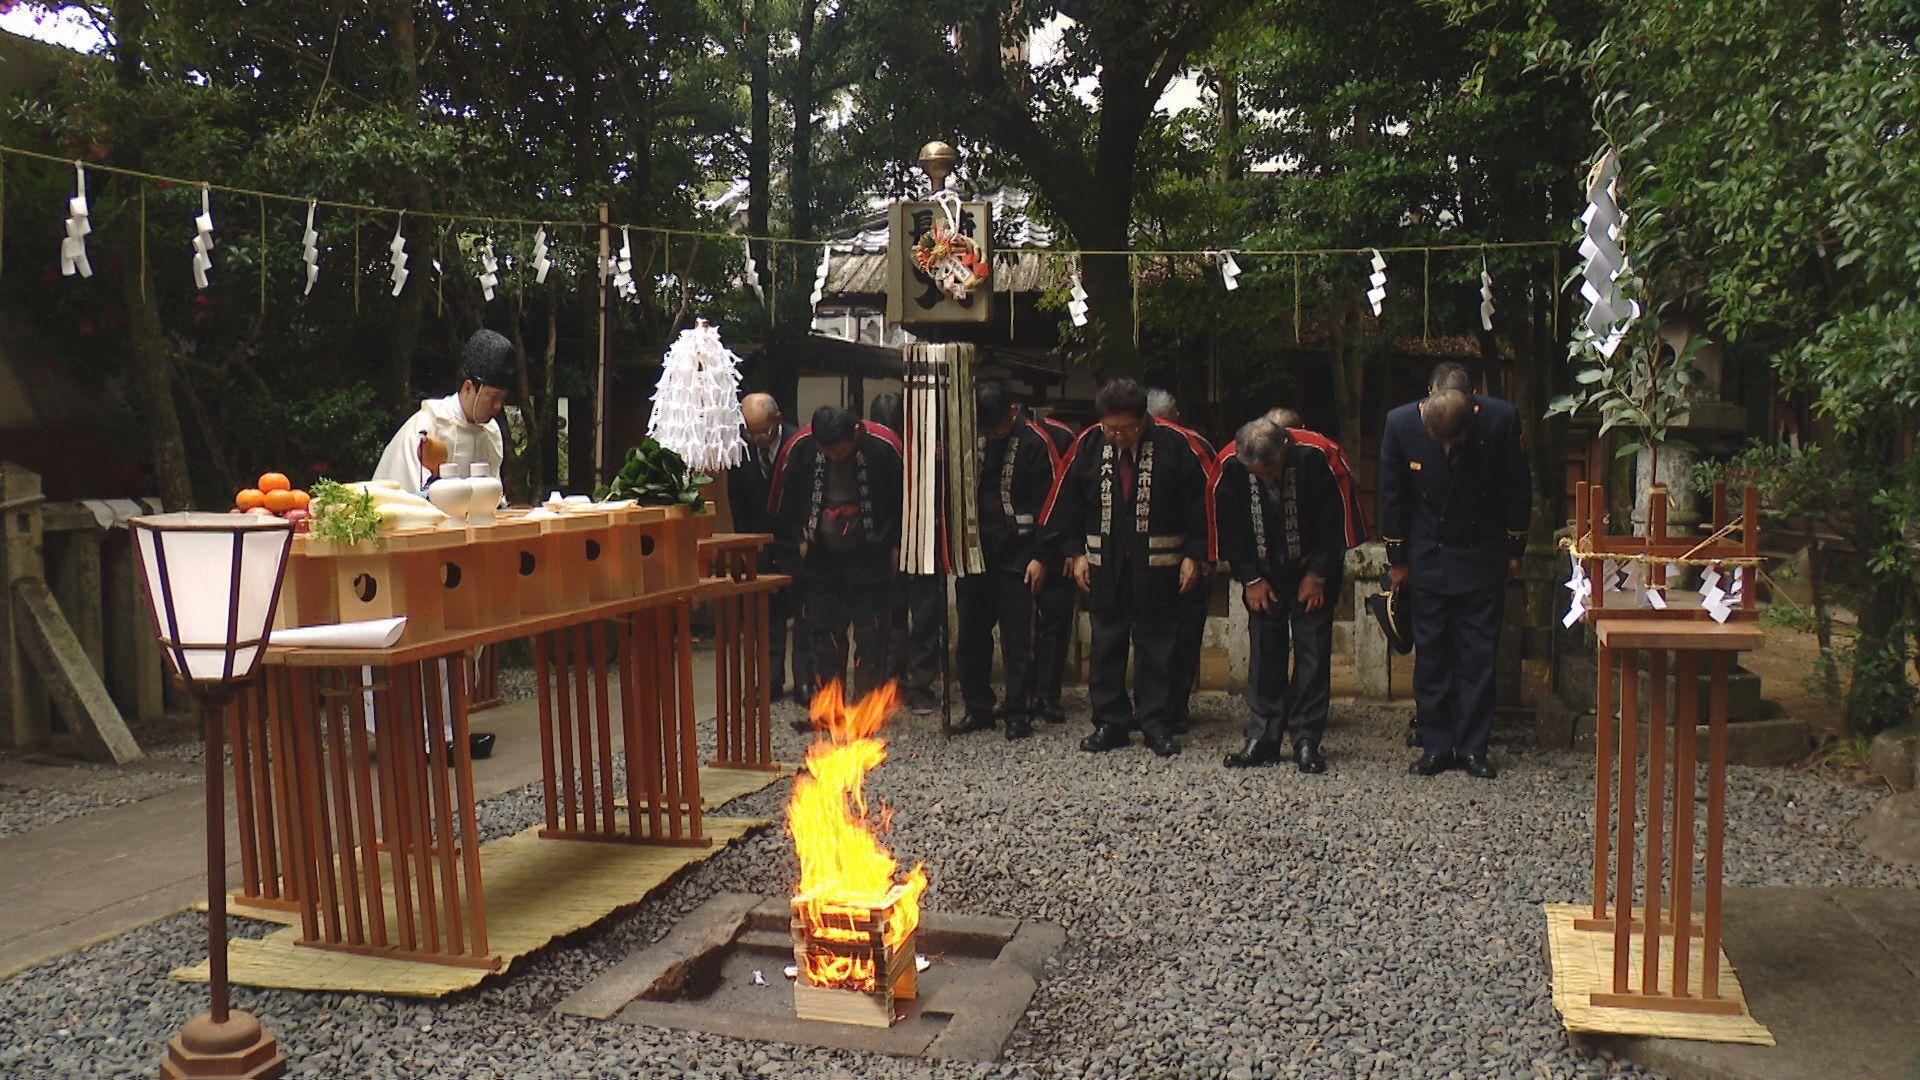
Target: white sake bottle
{"x":485,"y":497}
{"x":452,"y":493}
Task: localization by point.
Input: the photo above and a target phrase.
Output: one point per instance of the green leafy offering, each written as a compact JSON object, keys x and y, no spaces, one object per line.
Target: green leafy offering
{"x":653,"y":475}
{"x":343,"y":515}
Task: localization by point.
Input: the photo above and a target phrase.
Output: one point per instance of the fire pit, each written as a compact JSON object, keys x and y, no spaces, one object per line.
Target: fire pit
{"x":853,"y":922}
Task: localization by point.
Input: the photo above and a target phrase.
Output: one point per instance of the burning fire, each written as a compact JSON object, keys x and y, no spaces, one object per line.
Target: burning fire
{"x":845,"y":873}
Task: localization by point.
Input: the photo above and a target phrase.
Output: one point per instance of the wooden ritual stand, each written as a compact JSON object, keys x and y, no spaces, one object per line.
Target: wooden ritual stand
{"x":743,"y":702}
{"x":372,"y":838}
{"x":852,"y":943}
{"x":1624,"y":629}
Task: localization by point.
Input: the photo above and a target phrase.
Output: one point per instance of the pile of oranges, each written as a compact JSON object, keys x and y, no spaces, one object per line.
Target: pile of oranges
{"x":274,"y":494}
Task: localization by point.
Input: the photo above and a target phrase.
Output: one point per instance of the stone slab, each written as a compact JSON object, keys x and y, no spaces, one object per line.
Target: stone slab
{"x":1818,"y":971}
{"x":1891,"y":830}
{"x":662,"y":971}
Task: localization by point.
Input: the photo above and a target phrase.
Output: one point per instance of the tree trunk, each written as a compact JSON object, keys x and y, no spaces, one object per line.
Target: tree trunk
{"x":403,"y":326}
{"x":800,"y":161}
{"x":1347,"y":356}
{"x":1232,"y":166}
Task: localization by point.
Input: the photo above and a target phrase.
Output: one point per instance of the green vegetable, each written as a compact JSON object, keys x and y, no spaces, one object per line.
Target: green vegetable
{"x":653,"y":475}
{"x":342,"y":515}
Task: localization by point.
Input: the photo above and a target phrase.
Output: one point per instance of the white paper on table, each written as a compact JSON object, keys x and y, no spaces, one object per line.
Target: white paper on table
{"x":368,"y":634}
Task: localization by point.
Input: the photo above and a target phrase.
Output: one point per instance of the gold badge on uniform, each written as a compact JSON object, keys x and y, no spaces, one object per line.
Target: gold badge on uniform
{"x":1413,"y":466}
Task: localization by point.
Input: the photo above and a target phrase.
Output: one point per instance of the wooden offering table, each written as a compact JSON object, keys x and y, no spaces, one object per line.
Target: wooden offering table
{"x":374,"y":840}
{"x":743,"y":704}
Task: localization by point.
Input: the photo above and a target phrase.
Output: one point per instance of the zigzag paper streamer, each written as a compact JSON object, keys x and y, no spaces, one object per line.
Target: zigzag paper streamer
{"x":696,"y":407}
{"x":1377,"y":282}
{"x":1229,"y":271}
{"x":1608,"y":313}
{"x":753,"y":271}
{"x":541,"y":264}
{"x":623,"y":268}
{"x":73,"y":247}
{"x":1077,"y":306}
{"x":489,"y":270}
{"x":820,"y":275}
{"x":1486,"y":296}
{"x":203,"y":239}
{"x":397,"y":256}
{"x":310,"y":250}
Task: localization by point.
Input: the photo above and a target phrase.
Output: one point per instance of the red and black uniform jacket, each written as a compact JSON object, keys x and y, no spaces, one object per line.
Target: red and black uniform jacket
{"x":796,"y":503}
{"x":1016,"y":473}
{"x":1303,"y":530}
{"x":1144,"y":536}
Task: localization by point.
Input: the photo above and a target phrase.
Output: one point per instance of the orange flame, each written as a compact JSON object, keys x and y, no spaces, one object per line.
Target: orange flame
{"x":845,"y":873}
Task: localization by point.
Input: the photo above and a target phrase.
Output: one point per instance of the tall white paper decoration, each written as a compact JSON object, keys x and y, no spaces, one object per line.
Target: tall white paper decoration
{"x":310,"y":250}
{"x":1377,"y":282}
{"x":1608,"y":313}
{"x":753,"y":271}
{"x":1229,"y":271}
{"x":696,"y":407}
{"x":541,"y":264}
{"x":820,"y":275}
{"x":203,"y":240}
{"x":489,"y":270}
{"x":1077,"y":304}
{"x":73,"y":247}
{"x":1486,"y":296}
{"x":397,"y":254}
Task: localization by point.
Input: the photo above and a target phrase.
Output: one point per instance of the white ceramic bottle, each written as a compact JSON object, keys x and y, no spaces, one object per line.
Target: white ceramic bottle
{"x":485,"y":496}
{"x":452,"y":493}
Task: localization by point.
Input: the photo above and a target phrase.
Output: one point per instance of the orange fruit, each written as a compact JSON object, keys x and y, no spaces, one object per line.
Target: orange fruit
{"x":250,"y":498}
{"x":280,"y":500}
{"x":301,"y":500}
{"x":274,"y":481}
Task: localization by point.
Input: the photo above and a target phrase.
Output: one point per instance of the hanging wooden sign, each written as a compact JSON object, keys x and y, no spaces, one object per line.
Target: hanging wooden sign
{"x":937,"y":260}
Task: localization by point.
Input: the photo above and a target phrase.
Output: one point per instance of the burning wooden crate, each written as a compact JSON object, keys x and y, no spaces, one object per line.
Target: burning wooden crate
{"x":855,"y":957}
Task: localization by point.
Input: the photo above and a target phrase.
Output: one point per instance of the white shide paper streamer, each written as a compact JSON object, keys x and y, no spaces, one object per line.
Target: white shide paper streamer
{"x":696,"y":407}
{"x":203,"y":239}
{"x":310,"y":250}
{"x":541,"y":264}
{"x":397,"y":255}
{"x":820,"y":275}
{"x":1229,"y":271}
{"x":1377,"y":282}
{"x":1077,"y":302}
{"x":73,"y":246}
{"x":489,"y":275}
{"x":1486,"y":296}
{"x":1608,"y":313}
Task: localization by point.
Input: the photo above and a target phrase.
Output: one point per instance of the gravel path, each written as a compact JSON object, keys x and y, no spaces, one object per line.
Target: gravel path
{"x":1264,"y":924}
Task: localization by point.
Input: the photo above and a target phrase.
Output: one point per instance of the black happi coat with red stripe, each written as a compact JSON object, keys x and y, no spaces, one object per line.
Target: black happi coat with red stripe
{"x":799,"y":490}
{"x":1016,"y":474}
{"x":1144,"y":537}
{"x":1299,"y":527}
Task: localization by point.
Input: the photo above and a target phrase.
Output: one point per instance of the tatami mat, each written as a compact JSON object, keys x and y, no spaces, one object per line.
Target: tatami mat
{"x":1583,"y":964}
{"x":536,"y":890}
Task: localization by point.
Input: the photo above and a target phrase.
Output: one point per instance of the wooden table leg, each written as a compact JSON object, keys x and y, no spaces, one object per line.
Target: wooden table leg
{"x":542,"y":672}
{"x":1623,"y":843}
{"x":1602,"y":784}
{"x":1716,"y":825}
{"x":1656,"y":816}
{"x":1686,"y":691}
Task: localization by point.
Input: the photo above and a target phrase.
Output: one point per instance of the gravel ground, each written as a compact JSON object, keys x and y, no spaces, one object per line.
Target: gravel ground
{"x":34,"y":794}
{"x":1264,"y":924}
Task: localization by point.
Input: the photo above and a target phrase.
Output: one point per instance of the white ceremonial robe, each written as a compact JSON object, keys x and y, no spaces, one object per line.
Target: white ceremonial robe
{"x":466,"y":442}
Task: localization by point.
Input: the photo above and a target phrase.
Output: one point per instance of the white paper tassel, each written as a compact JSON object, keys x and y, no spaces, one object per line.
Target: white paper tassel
{"x":696,"y":407}
{"x":203,"y":239}
{"x":1377,"y":282}
{"x":489,"y":270}
{"x":623,"y":267}
{"x":1486,"y":296}
{"x":310,"y":250}
{"x":753,"y":271}
{"x":1077,"y":306}
{"x":397,"y":255}
{"x":73,"y":246}
{"x":541,"y":264}
{"x":1229,"y":271}
{"x":820,"y":275}
{"x":1608,"y":313}
{"x":1582,"y":589}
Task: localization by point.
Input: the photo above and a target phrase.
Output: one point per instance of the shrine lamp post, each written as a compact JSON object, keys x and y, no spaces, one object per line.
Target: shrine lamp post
{"x":212,"y":583}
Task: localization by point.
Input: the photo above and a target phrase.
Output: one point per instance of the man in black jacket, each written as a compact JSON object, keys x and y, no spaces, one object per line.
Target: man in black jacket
{"x":836,"y":501}
{"x":1455,"y":495}
{"x":1053,"y":603}
{"x":1016,"y":472}
{"x":1280,"y":526}
{"x":1129,"y":507}
{"x":749,"y":485}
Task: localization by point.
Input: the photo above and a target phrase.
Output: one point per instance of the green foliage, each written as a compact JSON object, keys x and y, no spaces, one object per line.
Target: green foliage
{"x":656,"y":476}
{"x":343,"y":515}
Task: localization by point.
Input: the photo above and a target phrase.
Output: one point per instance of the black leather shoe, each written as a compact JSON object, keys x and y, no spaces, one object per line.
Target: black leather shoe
{"x":1307,"y":756}
{"x":479,"y":745}
{"x":1432,"y":764}
{"x":1256,"y":753}
{"x":1018,"y":727}
{"x":1054,"y":716}
{"x":1163,"y":745}
{"x":1105,"y":737}
{"x":1479,"y":767}
{"x":971,"y":723}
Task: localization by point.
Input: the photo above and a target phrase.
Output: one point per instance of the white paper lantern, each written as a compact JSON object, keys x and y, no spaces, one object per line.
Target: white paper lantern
{"x":212,"y":581}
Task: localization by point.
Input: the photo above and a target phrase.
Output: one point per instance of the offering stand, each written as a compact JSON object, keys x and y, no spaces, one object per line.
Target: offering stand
{"x":385,"y":861}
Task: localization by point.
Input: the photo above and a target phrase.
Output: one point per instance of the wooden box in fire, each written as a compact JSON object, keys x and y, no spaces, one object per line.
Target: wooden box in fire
{"x":854,"y":962}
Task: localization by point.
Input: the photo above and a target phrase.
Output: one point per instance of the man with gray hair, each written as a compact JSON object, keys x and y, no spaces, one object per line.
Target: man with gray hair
{"x":1282,"y":530}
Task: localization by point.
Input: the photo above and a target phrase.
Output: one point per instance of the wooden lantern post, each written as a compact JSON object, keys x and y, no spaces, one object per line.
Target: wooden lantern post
{"x":213,"y":639}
